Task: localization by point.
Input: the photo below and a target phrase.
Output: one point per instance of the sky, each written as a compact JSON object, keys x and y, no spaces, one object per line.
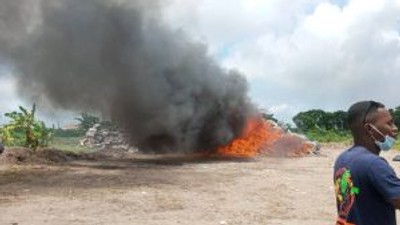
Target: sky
{"x":296,"y":54}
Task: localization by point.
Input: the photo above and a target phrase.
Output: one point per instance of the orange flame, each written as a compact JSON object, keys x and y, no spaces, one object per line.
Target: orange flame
{"x":261,"y":136}
{"x":256,"y":135}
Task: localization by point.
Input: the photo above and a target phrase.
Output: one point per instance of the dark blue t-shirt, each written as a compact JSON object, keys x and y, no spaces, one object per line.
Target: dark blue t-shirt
{"x":364,"y":184}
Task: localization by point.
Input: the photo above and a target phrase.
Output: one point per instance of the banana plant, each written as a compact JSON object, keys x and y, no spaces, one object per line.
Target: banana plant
{"x":24,"y":129}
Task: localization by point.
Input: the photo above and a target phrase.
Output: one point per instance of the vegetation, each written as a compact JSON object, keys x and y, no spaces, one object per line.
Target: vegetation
{"x":86,"y":121}
{"x":69,"y":144}
{"x":325,"y":136}
{"x":396,"y":115}
{"x":322,"y":126}
{"x":68,"y":133}
{"x":23,"y":129}
{"x":321,"y":120}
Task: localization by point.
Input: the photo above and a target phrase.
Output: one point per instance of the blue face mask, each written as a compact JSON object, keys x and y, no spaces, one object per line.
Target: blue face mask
{"x":387,"y":143}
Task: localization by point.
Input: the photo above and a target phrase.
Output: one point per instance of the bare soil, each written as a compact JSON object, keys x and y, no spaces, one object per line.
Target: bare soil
{"x":119,"y":189}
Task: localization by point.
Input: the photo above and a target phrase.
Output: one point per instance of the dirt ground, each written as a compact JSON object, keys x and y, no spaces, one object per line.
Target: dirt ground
{"x":139,"y":189}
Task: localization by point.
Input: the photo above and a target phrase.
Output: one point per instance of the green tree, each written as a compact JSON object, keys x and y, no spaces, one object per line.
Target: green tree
{"x":317,"y":119}
{"x":87,"y":121}
{"x":309,"y":120}
{"x":340,"y":120}
{"x":396,"y":115}
{"x":24,"y":129}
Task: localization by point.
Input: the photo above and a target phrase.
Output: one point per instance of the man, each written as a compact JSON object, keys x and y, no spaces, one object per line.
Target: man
{"x":367,"y":188}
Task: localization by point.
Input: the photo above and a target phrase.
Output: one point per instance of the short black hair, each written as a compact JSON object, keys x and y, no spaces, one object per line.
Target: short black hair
{"x":357,"y":115}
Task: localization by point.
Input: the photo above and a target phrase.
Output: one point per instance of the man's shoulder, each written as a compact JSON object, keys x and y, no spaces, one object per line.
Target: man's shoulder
{"x":358,"y":151}
{"x":357,"y":155}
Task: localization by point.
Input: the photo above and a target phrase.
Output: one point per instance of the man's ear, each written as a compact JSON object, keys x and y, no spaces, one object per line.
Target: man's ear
{"x":368,"y":127}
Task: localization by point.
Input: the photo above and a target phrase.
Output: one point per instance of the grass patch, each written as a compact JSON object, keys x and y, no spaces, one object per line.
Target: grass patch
{"x":69,"y":144}
{"x":397,"y":145}
{"x":328,"y":136}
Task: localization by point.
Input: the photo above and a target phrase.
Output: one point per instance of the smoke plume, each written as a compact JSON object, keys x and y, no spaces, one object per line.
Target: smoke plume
{"x":118,"y":58}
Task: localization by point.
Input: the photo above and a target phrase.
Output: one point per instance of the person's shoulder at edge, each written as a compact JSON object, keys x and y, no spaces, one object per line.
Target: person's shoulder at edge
{"x":357,"y":149}
{"x":360,"y":152}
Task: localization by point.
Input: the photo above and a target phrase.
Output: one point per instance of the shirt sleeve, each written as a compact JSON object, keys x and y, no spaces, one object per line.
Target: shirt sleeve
{"x":384,"y":179}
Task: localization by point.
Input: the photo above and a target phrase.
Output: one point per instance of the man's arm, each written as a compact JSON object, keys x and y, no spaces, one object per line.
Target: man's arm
{"x":385,"y":181}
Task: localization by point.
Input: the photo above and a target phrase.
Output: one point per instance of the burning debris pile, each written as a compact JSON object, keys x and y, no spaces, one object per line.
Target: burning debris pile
{"x":266,"y":137}
{"x":97,"y":137}
{"x":259,"y":137}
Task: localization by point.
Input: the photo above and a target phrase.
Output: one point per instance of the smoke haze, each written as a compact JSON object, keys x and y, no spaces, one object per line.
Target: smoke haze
{"x":118,"y":59}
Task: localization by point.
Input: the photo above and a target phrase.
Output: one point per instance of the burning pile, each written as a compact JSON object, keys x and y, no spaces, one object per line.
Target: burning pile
{"x":265,"y":137}
{"x":259,"y":137}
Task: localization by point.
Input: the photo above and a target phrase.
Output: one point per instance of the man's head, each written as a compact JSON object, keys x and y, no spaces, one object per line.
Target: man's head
{"x":370,"y":121}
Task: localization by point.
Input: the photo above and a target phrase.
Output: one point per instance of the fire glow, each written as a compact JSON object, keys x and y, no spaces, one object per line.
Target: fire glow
{"x":262,"y":136}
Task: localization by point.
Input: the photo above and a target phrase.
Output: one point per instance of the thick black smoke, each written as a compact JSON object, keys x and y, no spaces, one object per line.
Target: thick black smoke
{"x":117,"y":58}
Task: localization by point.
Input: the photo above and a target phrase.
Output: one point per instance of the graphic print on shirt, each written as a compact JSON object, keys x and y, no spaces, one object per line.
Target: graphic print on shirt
{"x":345,"y":191}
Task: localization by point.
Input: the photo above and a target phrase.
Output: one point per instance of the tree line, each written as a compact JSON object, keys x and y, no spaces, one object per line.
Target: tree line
{"x":317,"y":119}
{"x":324,"y":126}
{"x":23,"y":129}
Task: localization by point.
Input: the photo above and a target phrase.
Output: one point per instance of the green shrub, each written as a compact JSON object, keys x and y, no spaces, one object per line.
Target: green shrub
{"x":69,"y":133}
{"x":328,"y":136}
{"x":24,"y":129}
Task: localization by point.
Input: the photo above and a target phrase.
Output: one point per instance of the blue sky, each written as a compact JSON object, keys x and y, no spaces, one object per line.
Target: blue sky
{"x":296,"y":55}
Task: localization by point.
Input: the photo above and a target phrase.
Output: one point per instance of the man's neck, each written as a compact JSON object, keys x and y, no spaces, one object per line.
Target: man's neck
{"x":369,"y":145}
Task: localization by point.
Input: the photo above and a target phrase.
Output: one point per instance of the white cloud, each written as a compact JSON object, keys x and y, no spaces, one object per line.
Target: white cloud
{"x":10,"y":101}
{"x":319,"y":54}
{"x":8,"y":94}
